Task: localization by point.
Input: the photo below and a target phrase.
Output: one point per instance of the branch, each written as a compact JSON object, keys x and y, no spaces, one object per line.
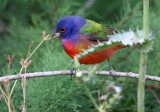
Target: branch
{"x":67,"y":72}
{"x":154,"y":94}
{"x":152,"y":86}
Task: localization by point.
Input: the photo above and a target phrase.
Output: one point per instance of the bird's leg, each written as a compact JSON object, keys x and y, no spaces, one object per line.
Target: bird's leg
{"x":72,"y":72}
{"x":112,"y":72}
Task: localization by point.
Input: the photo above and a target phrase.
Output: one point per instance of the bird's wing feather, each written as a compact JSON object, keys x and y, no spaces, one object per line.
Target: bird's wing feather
{"x":96,"y":32}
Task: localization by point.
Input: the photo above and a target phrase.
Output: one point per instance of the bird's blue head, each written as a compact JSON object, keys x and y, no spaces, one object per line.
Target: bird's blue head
{"x":68,"y":27}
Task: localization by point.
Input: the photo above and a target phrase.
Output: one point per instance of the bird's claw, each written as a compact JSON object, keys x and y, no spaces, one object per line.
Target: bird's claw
{"x":73,"y":72}
{"x":112,"y":73}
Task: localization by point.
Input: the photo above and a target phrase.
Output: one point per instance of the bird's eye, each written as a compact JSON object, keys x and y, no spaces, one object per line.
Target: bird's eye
{"x":63,"y":29}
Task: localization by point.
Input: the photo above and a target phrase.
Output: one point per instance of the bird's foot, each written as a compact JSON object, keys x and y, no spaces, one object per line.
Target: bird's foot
{"x":112,"y":73}
{"x":73,"y":72}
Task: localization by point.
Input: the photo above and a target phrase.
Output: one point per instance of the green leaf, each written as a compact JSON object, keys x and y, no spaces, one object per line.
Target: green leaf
{"x":146,"y":47}
{"x":129,"y":38}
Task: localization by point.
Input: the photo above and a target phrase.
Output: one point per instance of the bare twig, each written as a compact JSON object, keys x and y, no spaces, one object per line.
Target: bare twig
{"x":6,"y":99}
{"x":154,"y":94}
{"x":0,"y":97}
{"x":24,"y":90}
{"x":67,"y":72}
{"x":15,"y":83}
{"x":4,"y":95}
{"x":152,"y":86}
{"x":44,"y":38}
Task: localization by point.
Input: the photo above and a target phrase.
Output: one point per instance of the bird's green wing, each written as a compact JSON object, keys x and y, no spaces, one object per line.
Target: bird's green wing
{"x":95,"y":31}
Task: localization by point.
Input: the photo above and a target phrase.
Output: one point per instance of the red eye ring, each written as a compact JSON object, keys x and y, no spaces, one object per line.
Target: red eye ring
{"x":63,"y":29}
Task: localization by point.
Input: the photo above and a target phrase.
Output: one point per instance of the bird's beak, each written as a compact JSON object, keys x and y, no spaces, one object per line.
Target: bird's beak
{"x":55,"y":35}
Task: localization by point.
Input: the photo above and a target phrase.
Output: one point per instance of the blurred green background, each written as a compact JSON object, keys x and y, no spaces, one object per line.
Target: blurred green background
{"x":22,"y":21}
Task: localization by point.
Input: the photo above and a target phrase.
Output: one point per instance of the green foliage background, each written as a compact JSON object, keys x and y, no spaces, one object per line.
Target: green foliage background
{"x":22,"y":21}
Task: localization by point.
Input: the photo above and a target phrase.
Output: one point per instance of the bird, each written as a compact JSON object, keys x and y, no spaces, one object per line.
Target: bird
{"x":78,"y":34}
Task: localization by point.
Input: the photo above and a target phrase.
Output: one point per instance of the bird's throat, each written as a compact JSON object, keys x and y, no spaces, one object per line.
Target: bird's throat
{"x":70,"y":47}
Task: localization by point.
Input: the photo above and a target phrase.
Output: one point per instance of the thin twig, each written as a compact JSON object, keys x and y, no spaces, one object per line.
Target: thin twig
{"x":67,"y":72}
{"x":9,"y":107}
{"x":13,"y":106}
{"x":15,"y":83}
{"x":44,"y":38}
{"x":37,"y":48}
{"x":154,"y":94}
{"x":4,"y":95}
{"x":9,"y":68}
{"x":5,"y":98}
{"x":24,"y":89}
{"x":152,"y":86}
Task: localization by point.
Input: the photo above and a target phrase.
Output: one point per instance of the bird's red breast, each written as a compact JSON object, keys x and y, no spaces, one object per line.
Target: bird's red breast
{"x":73,"y":48}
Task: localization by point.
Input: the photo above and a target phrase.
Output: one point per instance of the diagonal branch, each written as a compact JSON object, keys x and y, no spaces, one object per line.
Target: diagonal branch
{"x":154,"y":94}
{"x":67,"y":72}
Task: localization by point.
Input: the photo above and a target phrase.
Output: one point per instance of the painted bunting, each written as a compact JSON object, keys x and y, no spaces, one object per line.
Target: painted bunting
{"x":77,"y":34}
